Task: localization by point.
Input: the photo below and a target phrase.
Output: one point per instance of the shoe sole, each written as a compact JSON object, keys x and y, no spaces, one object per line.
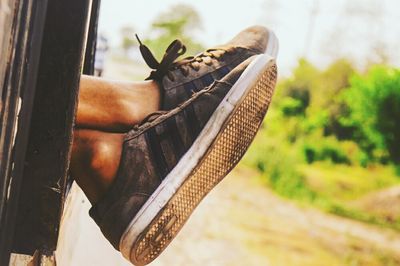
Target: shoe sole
{"x":272,"y":45}
{"x":219,"y":147}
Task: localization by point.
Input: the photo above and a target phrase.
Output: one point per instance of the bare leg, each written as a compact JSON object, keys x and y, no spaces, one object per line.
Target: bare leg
{"x":106,"y":110}
{"x":115,"y":106}
{"x":95,"y":160}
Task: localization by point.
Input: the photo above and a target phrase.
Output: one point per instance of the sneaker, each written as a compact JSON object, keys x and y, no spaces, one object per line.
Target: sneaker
{"x":179,"y":80}
{"x":171,"y":161}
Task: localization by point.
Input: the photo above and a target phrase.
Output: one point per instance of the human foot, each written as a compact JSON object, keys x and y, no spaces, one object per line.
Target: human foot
{"x":174,"y":159}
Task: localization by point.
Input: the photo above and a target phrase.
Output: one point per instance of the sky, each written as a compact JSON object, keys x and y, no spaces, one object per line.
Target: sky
{"x":320,"y":30}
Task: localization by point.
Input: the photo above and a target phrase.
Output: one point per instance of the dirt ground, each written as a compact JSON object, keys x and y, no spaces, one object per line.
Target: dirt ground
{"x":241,"y":222}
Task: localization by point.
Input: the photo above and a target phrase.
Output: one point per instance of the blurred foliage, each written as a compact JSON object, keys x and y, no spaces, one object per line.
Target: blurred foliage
{"x":339,"y":115}
{"x":340,"y":119}
{"x":179,"y":22}
{"x":128,"y":38}
{"x":373,"y":102}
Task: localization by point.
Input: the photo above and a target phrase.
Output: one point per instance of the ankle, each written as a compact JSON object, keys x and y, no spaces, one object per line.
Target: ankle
{"x":145,"y":98}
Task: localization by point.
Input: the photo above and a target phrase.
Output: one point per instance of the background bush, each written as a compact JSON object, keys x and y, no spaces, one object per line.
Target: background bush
{"x":373,"y":102}
{"x":328,"y":136}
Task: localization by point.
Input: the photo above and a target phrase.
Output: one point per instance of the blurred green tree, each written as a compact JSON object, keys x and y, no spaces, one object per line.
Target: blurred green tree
{"x":335,"y":79}
{"x":374,"y":111}
{"x":296,"y":91}
{"x":311,"y":106}
{"x":128,"y":38}
{"x":179,"y":22}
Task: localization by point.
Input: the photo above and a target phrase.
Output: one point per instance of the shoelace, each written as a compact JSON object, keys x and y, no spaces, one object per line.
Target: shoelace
{"x":153,"y":116}
{"x":150,"y":118}
{"x":174,"y":50}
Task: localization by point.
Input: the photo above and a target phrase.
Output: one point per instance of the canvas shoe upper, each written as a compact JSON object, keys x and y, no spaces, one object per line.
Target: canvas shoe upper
{"x":180,"y":79}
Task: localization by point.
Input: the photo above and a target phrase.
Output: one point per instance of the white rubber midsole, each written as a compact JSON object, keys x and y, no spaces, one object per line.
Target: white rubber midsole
{"x":273,"y":45}
{"x":192,"y":157}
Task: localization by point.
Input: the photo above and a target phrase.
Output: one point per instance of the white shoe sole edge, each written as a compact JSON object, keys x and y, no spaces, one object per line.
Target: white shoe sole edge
{"x":272,"y":45}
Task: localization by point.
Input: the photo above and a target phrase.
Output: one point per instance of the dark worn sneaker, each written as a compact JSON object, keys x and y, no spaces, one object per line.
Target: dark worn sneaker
{"x":175,"y":158}
{"x":180,"y":79}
